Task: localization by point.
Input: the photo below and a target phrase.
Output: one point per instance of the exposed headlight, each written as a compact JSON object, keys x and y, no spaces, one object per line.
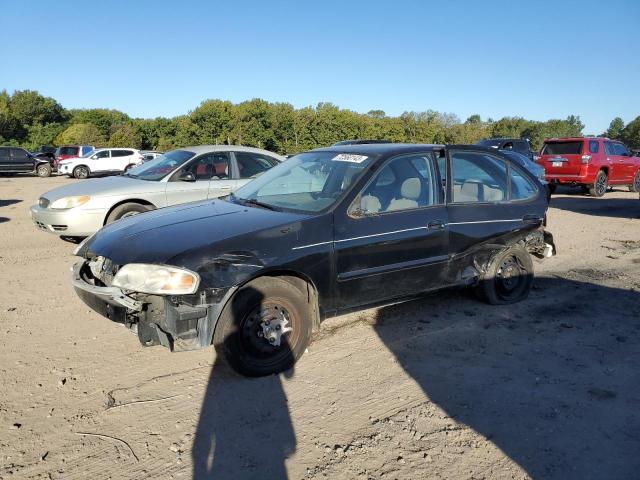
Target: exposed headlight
{"x":70,"y":202}
{"x":156,"y":279}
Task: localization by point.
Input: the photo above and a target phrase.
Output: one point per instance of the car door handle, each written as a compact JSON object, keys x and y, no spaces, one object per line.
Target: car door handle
{"x":225,"y":187}
{"x":532,"y":219}
{"x":435,"y":225}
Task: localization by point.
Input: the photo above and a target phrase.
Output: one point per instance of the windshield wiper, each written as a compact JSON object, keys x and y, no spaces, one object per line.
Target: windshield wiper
{"x":257,"y":203}
{"x":132,"y":175}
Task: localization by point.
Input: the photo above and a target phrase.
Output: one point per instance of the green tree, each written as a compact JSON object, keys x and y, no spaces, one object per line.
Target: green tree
{"x":615,"y":128}
{"x":126,"y":136}
{"x":81,"y":134}
{"x":104,"y":119}
{"x":631,"y":133}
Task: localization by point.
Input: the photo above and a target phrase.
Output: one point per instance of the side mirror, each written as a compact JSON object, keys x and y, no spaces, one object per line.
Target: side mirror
{"x":187,"y":177}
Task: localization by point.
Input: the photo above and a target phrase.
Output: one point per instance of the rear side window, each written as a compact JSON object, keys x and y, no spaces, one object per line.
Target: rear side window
{"x":594,"y":146}
{"x":68,"y":151}
{"x":121,"y":153}
{"x":521,"y":187}
{"x":478,"y":177}
{"x":253,"y":164}
{"x":562,"y":148}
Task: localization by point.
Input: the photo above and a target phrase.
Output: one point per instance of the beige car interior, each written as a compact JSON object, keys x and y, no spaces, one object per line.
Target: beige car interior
{"x":476,"y":191}
{"x":410,"y":192}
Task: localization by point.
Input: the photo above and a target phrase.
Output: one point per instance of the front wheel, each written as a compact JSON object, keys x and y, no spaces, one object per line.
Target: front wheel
{"x":127,"y":210}
{"x":43,"y":170}
{"x":508,"y":278}
{"x":81,"y":172}
{"x":264,"y":329}
{"x":600,"y":184}
{"x":635,"y":186}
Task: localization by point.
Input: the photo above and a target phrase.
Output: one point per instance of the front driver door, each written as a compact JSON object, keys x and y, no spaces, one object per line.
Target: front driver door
{"x":100,"y":161}
{"x":181,"y":189}
{"x":393,"y":240}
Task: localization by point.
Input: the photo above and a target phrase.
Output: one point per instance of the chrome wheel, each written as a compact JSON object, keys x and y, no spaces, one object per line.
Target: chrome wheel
{"x":81,"y":172}
{"x":601,"y":184}
{"x":129,"y":214}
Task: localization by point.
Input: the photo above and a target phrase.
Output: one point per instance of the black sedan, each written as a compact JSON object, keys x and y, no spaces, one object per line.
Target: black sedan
{"x":328,"y":231}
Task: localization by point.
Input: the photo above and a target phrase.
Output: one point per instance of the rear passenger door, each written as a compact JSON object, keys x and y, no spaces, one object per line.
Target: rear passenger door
{"x":21,"y":160}
{"x":392,"y":240}
{"x":625,"y":160}
{"x":251,"y":165}
{"x":488,"y":198}
{"x":120,"y":159}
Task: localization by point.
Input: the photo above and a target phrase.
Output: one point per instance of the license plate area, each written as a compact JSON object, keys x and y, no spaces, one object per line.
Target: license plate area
{"x":557,"y":164}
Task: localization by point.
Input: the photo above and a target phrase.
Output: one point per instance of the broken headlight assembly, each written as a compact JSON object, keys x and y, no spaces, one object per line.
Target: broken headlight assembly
{"x":156,"y":279}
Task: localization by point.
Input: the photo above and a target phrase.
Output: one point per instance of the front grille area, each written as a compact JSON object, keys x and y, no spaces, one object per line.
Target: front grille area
{"x":43,"y":202}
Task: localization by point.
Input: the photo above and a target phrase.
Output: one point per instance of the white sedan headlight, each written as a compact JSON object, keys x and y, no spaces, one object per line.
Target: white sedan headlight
{"x":70,"y":202}
{"x":156,"y":279}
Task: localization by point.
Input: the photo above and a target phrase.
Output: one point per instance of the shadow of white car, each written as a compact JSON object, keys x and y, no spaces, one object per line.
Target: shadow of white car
{"x":179,"y":176}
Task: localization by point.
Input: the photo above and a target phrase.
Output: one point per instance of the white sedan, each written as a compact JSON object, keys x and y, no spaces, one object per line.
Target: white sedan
{"x":103,"y":161}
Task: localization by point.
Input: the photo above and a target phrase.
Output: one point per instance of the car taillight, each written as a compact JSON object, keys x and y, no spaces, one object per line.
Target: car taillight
{"x":586,"y":158}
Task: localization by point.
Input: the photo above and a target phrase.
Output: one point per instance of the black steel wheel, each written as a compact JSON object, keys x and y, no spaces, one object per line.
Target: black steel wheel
{"x":508,"y":278}
{"x":264,"y":329}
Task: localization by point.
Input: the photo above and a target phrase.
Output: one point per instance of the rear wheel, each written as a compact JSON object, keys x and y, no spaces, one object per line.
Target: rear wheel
{"x":127,"y":210}
{"x":600,"y":184}
{"x":508,"y":278}
{"x":264,"y":329}
{"x":635,"y":186}
{"x":43,"y":170}
{"x":81,"y":172}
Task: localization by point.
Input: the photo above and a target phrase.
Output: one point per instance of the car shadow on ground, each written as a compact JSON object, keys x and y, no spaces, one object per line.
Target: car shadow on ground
{"x":7,"y":202}
{"x":3,"y":219}
{"x":600,"y":207}
{"x":550,"y":381}
{"x":245,"y":430}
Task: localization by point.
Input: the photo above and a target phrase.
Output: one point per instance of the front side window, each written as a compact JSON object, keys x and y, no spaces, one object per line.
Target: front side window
{"x":309,"y":182}
{"x":620,"y":149}
{"x":253,"y":164}
{"x":102,"y":154}
{"x":404,"y":183}
{"x":210,"y":166}
{"x":478,"y":177}
{"x":609,"y":149}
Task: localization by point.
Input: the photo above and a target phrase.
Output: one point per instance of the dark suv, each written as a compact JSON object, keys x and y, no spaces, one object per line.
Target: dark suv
{"x":18,"y":160}
{"x":520,"y":145}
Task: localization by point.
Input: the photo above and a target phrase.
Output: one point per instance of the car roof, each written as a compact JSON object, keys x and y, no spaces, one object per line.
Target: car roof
{"x":198,"y":149}
{"x":381,"y":148}
{"x":576,"y":139}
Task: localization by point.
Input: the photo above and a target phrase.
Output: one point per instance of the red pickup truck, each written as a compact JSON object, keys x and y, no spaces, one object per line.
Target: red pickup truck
{"x":594,"y":163}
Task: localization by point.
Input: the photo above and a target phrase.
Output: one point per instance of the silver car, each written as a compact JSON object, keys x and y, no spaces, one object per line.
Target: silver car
{"x":179,"y":176}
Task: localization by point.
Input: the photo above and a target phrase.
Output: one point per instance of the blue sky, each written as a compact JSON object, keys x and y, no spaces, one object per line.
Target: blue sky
{"x":536,"y":59}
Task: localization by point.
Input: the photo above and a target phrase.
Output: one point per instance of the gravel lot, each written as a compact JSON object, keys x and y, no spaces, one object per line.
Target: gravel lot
{"x":442,"y":387}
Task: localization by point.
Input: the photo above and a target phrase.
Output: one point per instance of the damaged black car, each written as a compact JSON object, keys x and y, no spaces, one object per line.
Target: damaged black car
{"x":326,"y":232}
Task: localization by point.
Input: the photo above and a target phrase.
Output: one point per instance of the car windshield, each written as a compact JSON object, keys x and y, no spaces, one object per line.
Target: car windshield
{"x":309,"y":182}
{"x":161,"y":166}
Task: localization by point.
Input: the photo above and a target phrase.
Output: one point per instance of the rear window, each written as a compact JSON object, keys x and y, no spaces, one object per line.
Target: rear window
{"x":67,"y":151}
{"x":562,"y":148}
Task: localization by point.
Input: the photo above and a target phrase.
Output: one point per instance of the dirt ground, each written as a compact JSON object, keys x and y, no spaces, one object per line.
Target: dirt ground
{"x":441,"y":387}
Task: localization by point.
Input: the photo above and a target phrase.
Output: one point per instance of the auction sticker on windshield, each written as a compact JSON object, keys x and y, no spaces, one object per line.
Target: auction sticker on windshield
{"x":349,"y":157}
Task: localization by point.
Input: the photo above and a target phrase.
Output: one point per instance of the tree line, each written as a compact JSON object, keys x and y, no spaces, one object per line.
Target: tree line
{"x":29,"y":119}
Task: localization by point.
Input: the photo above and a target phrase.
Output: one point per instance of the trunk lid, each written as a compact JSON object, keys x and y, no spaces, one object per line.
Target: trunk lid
{"x":562,"y":157}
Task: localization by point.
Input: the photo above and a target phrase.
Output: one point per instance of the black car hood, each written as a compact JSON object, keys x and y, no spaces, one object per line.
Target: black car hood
{"x":183,"y":234}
